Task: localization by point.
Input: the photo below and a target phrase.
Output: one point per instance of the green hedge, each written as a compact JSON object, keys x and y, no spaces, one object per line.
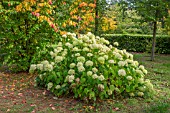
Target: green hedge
{"x":140,"y":43}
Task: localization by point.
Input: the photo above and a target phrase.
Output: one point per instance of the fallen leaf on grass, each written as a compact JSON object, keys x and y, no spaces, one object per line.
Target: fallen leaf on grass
{"x":32,"y":105}
{"x":53,"y":108}
{"x":8,"y":110}
{"x":20,"y":94}
{"x":116,"y":109}
{"x":33,"y":111}
{"x":50,"y":105}
{"x":24,"y":101}
{"x":55,"y":98}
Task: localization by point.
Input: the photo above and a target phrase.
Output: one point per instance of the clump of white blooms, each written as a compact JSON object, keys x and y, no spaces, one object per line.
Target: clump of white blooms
{"x":89,"y":63}
{"x":121,"y":72}
{"x":129,"y":77}
{"x":89,"y":73}
{"x":72,"y":65}
{"x":89,"y":67}
{"x":116,"y":44}
{"x":49,"y":85}
{"x":32,"y":68}
{"x":111,"y":61}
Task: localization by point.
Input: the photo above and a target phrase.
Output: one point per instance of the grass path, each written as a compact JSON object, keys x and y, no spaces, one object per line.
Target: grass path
{"x":18,"y":94}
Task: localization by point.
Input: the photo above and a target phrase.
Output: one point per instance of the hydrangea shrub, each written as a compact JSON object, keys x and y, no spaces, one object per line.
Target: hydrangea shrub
{"x":89,"y":68}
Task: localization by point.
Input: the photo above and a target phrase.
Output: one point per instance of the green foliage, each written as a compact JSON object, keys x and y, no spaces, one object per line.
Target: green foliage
{"x":22,"y":35}
{"x":140,"y":43}
{"x":87,"y":68}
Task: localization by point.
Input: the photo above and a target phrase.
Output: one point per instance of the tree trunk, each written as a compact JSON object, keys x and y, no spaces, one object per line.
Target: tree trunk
{"x":153,"y":41}
{"x":96,"y":19}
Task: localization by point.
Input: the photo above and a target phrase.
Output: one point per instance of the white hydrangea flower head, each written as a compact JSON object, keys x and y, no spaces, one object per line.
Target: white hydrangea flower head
{"x":41,"y":77}
{"x":140,"y":94}
{"x":89,"y":63}
{"x":45,"y":62}
{"x":81,"y":69}
{"x":77,"y":54}
{"x":59,"y":49}
{"x":52,"y":54}
{"x":149,"y":85}
{"x":101,"y":77}
{"x":72,"y":65}
{"x":95,"y":70}
{"x":131,"y":56}
{"x":57,"y":87}
{"x":129,"y":78}
{"x":105,"y":49}
{"x":86,"y":49}
{"x":118,"y":56}
{"x":71,"y":78}
{"x":141,"y":67}
{"x":48,"y":67}
{"x":89,"y":54}
{"x":97,"y":37}
{"x":64,"y":36}
{"x":52,"y":63}
{"x":89,"y":73}
{"x":77,"y":80}
{"x":75,"y":42}
{"x":116,"y":44}
{"x":121,"y":52}
{"x":141,"y":80}
{"x":58,"y":59}
{"x":81,"y":59}
{"x":94,"y":76}
{"x":64,"y":54}
{"x":56,"y":51}
{"x":129,"y":61}
{"x":49,"y":85}
{"x":32,"y":68}
{"x":85,"y":38}
{"x":85,"y":44}
{"x":110,"y":92}
{"x":107,"y":42}
{"x":139,"y":72}
{"x":121,"y":72}
{"x":131,"y":94}
{"x":110,"y":46}
{"x":60,"y":44}
{"x":101,"y":60}
{"x":121,"y":63}
{"x":102,"y":40}
{"x":94,"y":46}
{"x":127,"y":55}
{"x":102,"y":53}
{"x":106,"y":57}
{"x":68,"y":34}
{"x":69,"y":45}
{"x":75,"y":49}
{"x":79,"y":64}
{"x":101,"y":87}
{"x":135,"y":63}
{"x":142,"y":88}
{"x":71,"y":72}
{"x":145,"y":71}
{"x":73,"y":35}
{"x":111,"y":61}
{"x":124,"y":51}
{"x":40,"y":67}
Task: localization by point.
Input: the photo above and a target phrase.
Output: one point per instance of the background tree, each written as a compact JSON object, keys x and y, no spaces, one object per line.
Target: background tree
{"x":151,"y":11}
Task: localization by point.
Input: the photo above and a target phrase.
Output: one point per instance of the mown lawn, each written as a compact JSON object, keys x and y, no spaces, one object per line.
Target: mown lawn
{"x":18,"y":94}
